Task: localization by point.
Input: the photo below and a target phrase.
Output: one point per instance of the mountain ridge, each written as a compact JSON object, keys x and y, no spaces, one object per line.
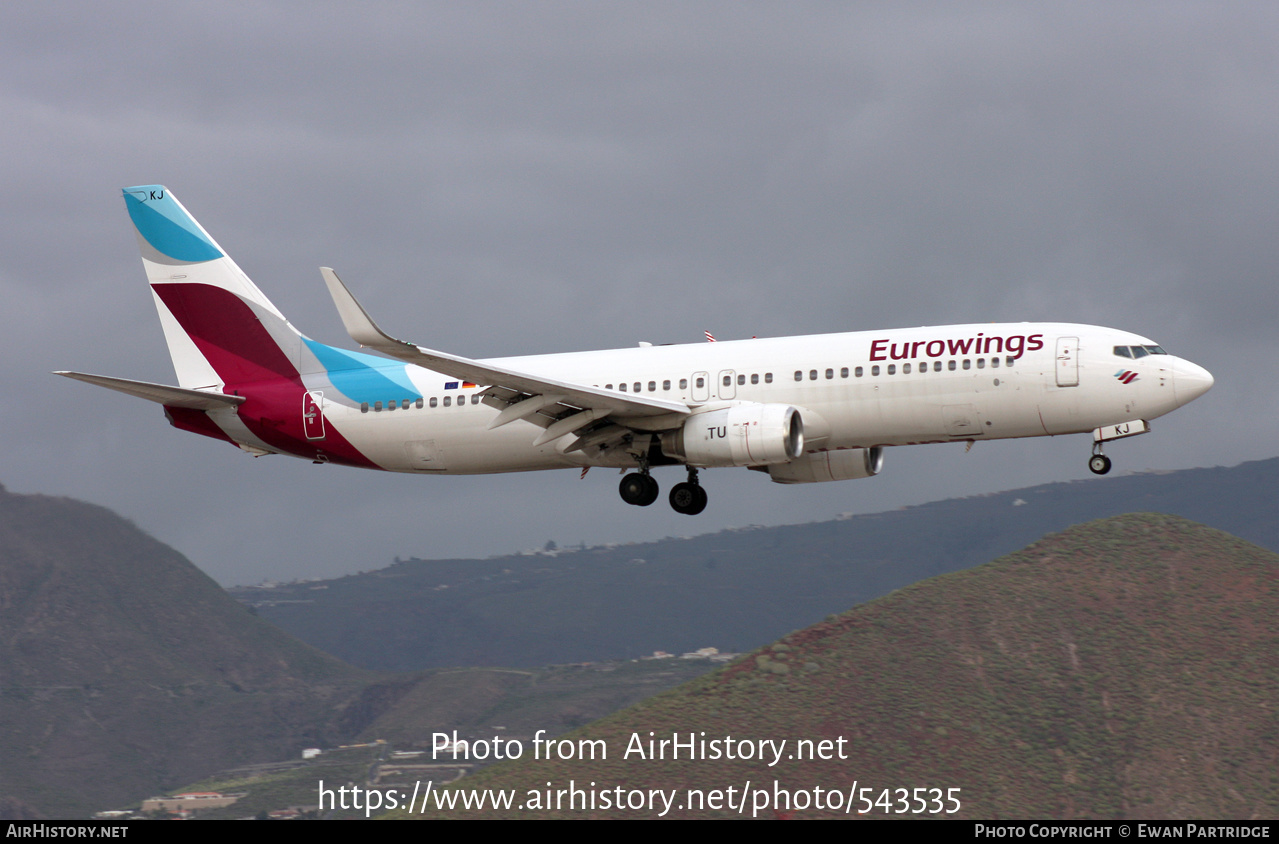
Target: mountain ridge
{"x":1125,"y":668}
{"x":733,"y":589}
{"x":126,"y":669}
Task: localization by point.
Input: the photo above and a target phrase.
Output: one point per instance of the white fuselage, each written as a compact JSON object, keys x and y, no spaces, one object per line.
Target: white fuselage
{"x":854,"y":390}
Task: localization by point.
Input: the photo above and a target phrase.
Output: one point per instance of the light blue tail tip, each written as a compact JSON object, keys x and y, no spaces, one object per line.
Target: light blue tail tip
{"x":166,"y":225}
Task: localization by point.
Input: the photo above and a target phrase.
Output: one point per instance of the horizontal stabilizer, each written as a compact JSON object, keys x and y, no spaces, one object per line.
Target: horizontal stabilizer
{"x":159,"y":393}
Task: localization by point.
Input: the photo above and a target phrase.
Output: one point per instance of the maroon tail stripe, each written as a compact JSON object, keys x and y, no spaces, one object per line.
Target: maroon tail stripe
{"x":227,"y":332}
{"x":197,"y":422}
{"x":248,"y":360}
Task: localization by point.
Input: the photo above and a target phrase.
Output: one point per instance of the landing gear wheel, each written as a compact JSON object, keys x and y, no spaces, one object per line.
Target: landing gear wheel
{"x":688,"y":498}
{"x":638,"y":489}
{"x":1099,"y":464}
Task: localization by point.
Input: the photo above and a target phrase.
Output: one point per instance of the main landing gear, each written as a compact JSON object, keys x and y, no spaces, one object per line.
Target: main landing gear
{"x":640,"y":489}
{"x":1098,"y":464}
{"x":688,"y":498}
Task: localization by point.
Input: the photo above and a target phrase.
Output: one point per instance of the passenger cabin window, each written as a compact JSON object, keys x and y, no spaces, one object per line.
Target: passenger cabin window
{"x":830,"y":374}
{"x":448,"y":401}
{"x":652,"y":386}
{"x":812,"y":375}
{"x":799,"y":376}
{"x":683,"y":383}
{"x":636,"y":385}
{"x":768,"y":377}
{"x":950,"y":364}
{"x":754,"y":377}
{"x":892,"y":369}
{"x":874,"y":370}
{"x":858,"y":372}
{"x":666,"y":385}
{"x":701,"y":382}
{"x":364,"y":407}
{"x":843,"y":372}
{"x":981,"y":363}
{"x":741,"y":380}
{"x":377,"y":405}
{"x":621,"y":387}
{"x":968,"y":364}
{"x":434,"y":401}
{"x":994,"y":363}
{"x":1008,"y":361}
{"x":404,"y":403}
{"x":905,"y":369}
{"x":419,"y":404}
{"x":475,"y":398}
{"x":728,"y":380}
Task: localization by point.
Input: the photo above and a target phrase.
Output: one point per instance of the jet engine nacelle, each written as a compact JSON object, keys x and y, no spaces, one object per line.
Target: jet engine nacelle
{"x":844,"y":465}
{"x":742,"y":435}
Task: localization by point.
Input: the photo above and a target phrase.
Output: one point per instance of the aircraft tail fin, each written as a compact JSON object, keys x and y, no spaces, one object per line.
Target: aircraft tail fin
{"x":219,"y":326}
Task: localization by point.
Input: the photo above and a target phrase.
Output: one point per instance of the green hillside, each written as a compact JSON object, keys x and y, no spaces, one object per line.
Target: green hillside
{"x":556,"y":698}
{"x":1123,"y":668}
{"x":407,"y":711}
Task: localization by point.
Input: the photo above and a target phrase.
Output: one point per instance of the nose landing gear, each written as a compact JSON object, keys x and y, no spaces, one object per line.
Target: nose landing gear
{"x":688,"y":498}
{"x":1098,"y":464}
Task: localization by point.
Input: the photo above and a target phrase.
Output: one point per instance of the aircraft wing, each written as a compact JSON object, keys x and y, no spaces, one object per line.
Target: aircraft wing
{"x":559,"y":406}
{"x":159,"y":393}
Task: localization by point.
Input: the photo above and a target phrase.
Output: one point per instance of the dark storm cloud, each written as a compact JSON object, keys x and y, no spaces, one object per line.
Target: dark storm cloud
{"x":504,"y":178}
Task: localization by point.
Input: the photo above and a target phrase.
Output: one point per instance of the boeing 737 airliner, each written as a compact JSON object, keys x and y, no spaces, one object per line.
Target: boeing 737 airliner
{"x":802,"y":409}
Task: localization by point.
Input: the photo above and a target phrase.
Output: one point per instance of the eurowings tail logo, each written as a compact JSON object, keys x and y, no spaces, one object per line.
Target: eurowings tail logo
{"x":1126,"y":376}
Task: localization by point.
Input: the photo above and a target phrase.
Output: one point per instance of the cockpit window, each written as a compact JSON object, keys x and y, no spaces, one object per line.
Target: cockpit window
{"x":1138,"y":351}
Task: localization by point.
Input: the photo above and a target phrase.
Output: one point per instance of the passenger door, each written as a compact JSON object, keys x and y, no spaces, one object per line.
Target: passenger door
{"x":1067,"y":361}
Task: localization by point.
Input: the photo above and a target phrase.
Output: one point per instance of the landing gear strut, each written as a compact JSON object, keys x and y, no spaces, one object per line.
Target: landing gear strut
{"x":688,"y":498}
{"x":1098,"y":464}
{"x":639,"y":488}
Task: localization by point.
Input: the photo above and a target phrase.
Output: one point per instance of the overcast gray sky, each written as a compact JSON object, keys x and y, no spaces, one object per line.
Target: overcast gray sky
{"x":507,"y":178}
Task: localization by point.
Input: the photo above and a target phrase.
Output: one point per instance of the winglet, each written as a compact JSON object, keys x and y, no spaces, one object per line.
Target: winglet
{"x":359,"y":324}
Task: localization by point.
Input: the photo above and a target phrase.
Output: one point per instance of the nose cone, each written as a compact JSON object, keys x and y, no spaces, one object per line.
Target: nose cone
{"x":1190,"y":381}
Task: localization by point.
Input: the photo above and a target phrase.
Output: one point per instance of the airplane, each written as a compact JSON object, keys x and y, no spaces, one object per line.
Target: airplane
{"x":803,"y":409}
